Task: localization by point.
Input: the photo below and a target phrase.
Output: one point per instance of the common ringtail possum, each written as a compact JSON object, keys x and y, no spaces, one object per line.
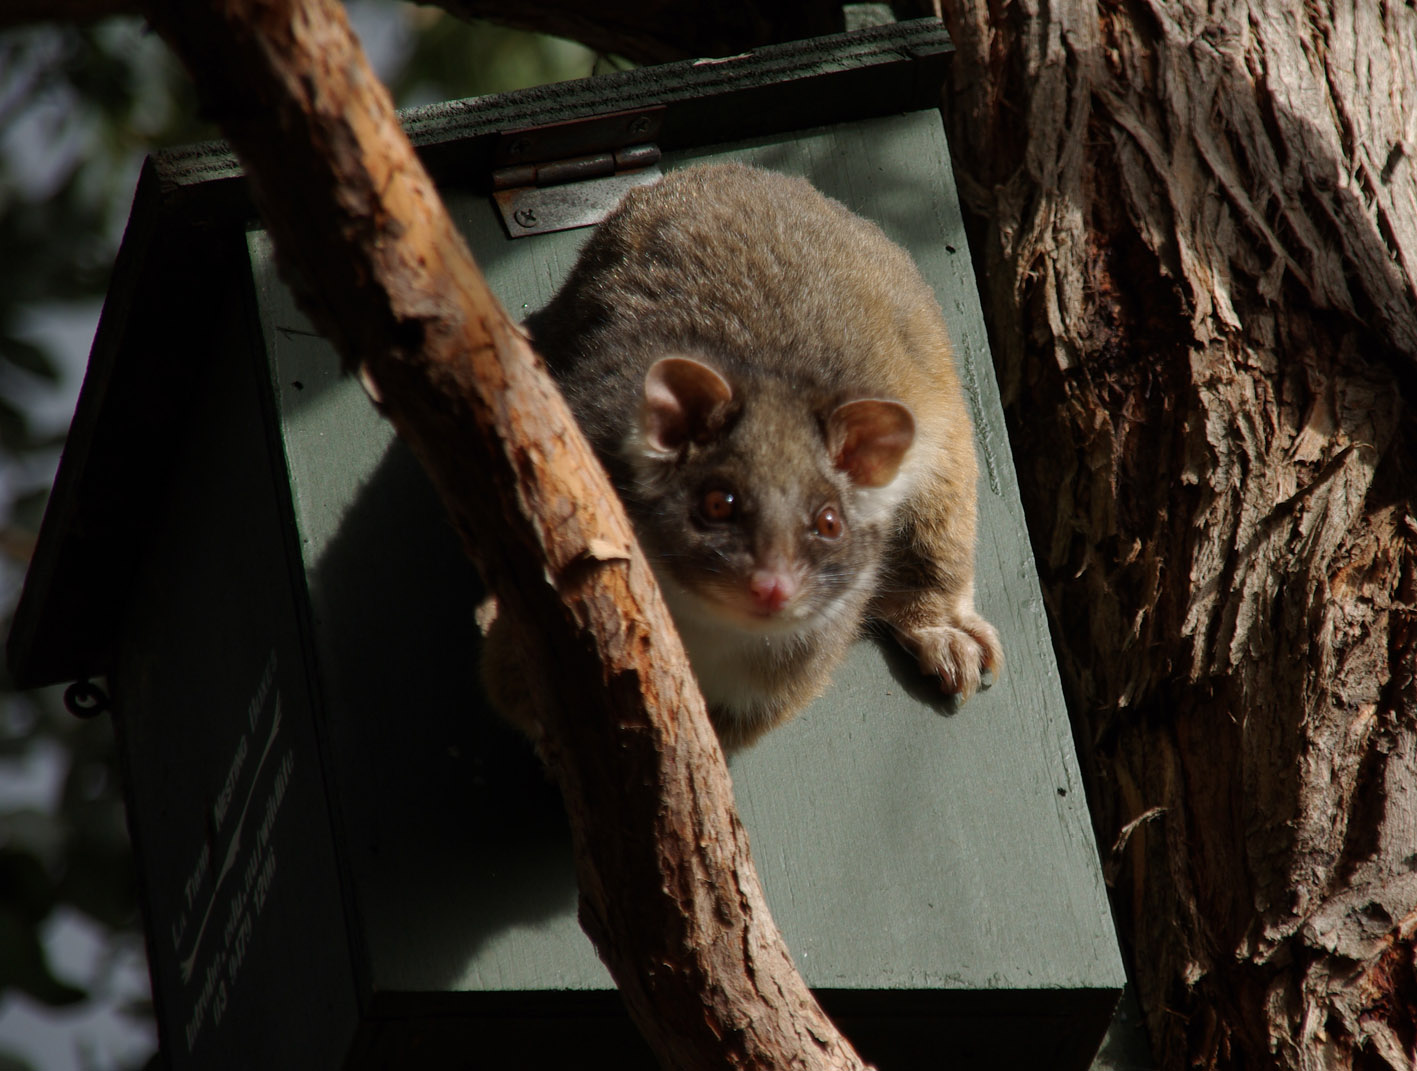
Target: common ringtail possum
{"x":769,"y":382}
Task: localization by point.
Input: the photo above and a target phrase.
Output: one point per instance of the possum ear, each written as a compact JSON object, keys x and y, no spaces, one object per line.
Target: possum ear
{"x":685,"y":401}
{"x":869,"y":439}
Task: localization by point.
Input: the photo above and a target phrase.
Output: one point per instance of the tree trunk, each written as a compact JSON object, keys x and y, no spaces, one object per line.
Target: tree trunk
{"x":668,"y":890}
{"x":1197,"y":237}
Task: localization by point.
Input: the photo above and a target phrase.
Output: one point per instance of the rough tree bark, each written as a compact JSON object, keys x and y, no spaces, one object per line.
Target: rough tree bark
{"x":668,"y":891}
{"x":1197,"y":234}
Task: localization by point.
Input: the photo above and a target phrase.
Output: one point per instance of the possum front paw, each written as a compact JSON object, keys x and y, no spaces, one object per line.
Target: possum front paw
{"x":957,"y":650}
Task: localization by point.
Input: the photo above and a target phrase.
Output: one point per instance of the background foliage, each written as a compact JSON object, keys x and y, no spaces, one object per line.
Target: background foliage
{"x":79,"y":107}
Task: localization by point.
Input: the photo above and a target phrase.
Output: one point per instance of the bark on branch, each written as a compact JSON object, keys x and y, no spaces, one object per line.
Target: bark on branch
{"x":668,"y":891}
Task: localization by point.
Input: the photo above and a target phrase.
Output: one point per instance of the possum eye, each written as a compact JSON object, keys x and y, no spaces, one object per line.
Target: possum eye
{"x":717,"y":506}
{"x":828,"y":523}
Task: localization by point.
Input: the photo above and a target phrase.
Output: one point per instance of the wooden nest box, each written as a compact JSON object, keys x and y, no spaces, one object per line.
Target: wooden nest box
{"x":345,"y":860}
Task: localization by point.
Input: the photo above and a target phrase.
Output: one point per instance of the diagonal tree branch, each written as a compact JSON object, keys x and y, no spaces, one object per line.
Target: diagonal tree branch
{"x":668,"y":890}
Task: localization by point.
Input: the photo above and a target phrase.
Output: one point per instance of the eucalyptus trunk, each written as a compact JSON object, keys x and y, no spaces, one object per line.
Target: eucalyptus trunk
{"x":1197,"y":235}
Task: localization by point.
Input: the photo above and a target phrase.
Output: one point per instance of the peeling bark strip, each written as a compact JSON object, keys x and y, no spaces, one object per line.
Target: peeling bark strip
{"x":1197,"y":230}
{"x":668,"y":891}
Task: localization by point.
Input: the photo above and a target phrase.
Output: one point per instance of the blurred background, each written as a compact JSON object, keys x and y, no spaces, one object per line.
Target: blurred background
{"x":79,"y":109}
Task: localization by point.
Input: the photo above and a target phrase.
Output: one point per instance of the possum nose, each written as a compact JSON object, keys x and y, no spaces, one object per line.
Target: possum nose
{"x":771,"y":590}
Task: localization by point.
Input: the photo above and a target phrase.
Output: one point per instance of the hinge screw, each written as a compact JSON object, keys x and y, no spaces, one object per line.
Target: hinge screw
{"x":525,"y":217}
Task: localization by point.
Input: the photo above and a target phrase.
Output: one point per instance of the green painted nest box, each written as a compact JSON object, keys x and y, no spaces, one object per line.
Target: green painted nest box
{"x":346,"y":861}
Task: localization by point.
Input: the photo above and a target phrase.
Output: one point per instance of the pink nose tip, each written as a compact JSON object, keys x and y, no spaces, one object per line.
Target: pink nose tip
{"x":771,"y":590}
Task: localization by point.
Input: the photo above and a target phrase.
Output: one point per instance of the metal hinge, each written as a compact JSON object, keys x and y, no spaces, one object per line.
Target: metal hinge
{"x":565,"y":175}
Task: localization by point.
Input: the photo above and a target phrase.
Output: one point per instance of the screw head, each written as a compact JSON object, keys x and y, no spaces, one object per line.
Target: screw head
{"x":525,"y":217}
